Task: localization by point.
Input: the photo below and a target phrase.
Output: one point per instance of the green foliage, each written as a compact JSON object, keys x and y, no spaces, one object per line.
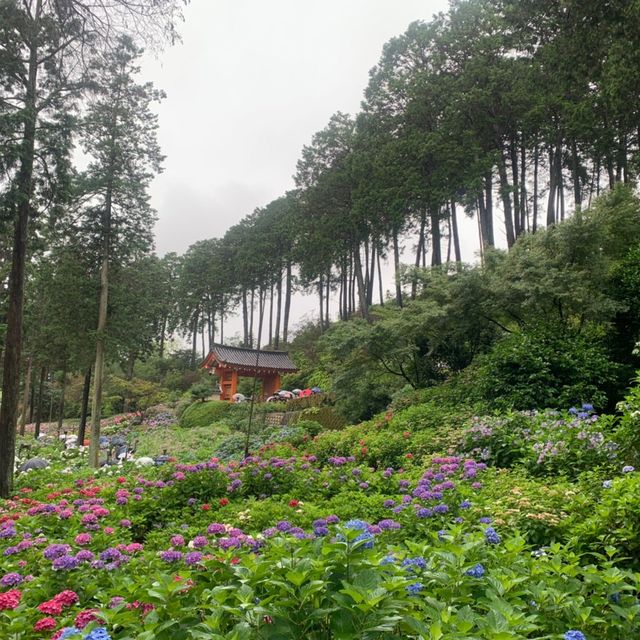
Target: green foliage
{"x":203,"y":414}
{"x":613,"y":523}
{"x":546,"y":366}
{"x":325,"y":416}
{"x":200,"y":391}
{"x":628,"y":429}
{"x":189,"y":445}
{"x":137,"y":394}
{"x":545,"y":443}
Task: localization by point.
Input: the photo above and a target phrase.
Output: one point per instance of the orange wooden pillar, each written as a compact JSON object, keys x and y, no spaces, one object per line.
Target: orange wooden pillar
{"x":228,"y":382}
{"x":270,"y":384}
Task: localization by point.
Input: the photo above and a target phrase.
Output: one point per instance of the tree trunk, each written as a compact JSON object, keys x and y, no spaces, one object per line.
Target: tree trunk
{"x":380,"y":287}
{"x":63,"y":391}
{"x":575,"y":168}
{"x":276,"y":342}
{"x":271,"y":315}
{"x":96,"y":405}
{"x":25,"y":396}
{"x":163,"y":330}
{"x":222,"y":320}
{"x":372,"y":271}
{"x":536,"y":160}
{"x":251,"y":310}
{"x":245,"y":317}
{"x":555,"y":159}
{"x":506,"y":201}
{"x":513,"y":151}
{"x":480,"y":233}
{"x":194,"y":339}
{"x":524,"y":207}
{"x":327,"y":298}
{"x":367,"y":276}
{"x":561,"y":191}
{"x":43,"y":375}
{"x":488,"y":203}
{"x":396,"y":266}
{"x":345,"y":289}
{"x":85,"y":406}
{"x":436,"y":249}
{"x":321,"y":299}
{"x":32,"y":403}
{"x":362,"y":298}
{"x":287,"y":304}
{"x":13,"y":334}
{"x":456,"y":236}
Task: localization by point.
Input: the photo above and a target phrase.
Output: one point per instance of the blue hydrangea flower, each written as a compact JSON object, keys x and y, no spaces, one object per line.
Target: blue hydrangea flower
{"x":410,"y":564}
{"x":491,"y":536}
{"x":574,"y":635}
{"x":69,"y":632}
{"x":358,"y":525}
{"x":365,"y":535}
{"x":99,"y":633}
{"x":415,"y":588}
{"x":476,"y":572}
{"x":628,"y":469}
{"x":607,"y":484}
{"x":387,"y":560}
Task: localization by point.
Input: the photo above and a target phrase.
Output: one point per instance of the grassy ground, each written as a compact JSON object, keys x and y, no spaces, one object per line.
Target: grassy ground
{"x":198,"y":443}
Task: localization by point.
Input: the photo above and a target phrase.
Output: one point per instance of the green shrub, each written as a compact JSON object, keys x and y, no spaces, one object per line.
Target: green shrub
{"x":327,"y":417}
{"x":614,"y":520}
{"x":201,"y":391}
{"x":203,"y":414}
{"x":546,"y":366}
{"x":546,"y":443}
{"x":112,"y":405}
{"x":628,"y":431}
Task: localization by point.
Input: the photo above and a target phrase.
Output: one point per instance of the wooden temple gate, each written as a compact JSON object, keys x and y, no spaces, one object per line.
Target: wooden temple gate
{"x":232,"y":363}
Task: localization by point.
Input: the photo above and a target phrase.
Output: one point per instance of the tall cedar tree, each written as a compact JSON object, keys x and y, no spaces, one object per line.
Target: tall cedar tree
{"x":45,"y":44}
{"x":120,"y":137}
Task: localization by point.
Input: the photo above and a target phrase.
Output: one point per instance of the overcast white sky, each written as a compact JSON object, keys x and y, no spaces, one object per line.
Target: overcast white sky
{"x":250,"y":84}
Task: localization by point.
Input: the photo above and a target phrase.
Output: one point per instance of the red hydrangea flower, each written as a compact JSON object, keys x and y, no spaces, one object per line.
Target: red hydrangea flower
{"x":10,"y":599}
{"x":67,"y":598}
{"x":52,"y":607}
{"x":45,"y":624}
{"x":85,"y":617}
{"x":224,"y":502}
{"x":293,"y":503}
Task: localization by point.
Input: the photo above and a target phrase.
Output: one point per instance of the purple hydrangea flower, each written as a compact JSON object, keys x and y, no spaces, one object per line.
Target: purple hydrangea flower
{"x":65,"y":563}
{"x":170,"y":555}
{"x":12,"y":579}
{"x":54,"y":551}
{"x":199,"y":542}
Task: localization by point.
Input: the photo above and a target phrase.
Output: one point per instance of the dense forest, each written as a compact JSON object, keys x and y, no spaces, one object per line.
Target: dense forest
{"x":469,"y":468}
{"x":522,"y":115}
